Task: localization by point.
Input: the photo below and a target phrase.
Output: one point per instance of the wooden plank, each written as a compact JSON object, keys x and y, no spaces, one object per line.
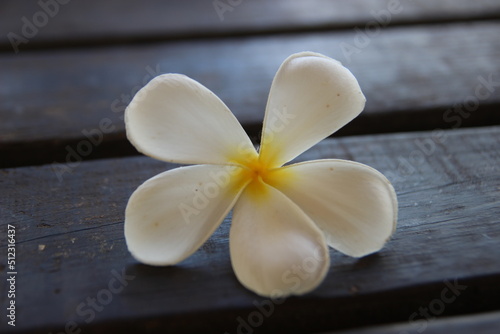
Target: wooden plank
{"x":487,"y":323}
{"x":48,"y":101}
{"x":70,"y":246}
{"x":65,"y":23}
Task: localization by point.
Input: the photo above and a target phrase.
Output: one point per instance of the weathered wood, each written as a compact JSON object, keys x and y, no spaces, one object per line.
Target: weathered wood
{"x":414,"y":78}
{"x":70,"y":246}
{"x":93,"y":22}
{"x":487,"y":323}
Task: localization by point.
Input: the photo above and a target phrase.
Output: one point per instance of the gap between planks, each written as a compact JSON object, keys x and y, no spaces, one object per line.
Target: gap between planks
{"x":421,"y":85}
{"x":92,"y":23}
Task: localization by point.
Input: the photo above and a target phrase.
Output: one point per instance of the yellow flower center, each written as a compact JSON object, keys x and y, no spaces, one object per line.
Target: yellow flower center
{"x":258,"y":175}
{"x":257,"y":171}
{"x":255,"y":174}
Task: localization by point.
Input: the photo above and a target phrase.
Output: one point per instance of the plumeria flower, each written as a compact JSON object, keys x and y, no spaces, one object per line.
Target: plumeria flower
{"x":284,"y":216}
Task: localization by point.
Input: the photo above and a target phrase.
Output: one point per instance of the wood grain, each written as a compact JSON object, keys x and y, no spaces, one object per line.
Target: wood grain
{"x":70,"y":246}
{"x":414,"y":78}
{"x":94,"y":22}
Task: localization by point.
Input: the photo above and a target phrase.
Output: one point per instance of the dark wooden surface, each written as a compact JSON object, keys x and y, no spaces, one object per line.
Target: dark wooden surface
{"x":71,"y":237}
{"x":405,"y":74}
{"x":93,"y":22}
{"x":419,"y":73}
{"x":487,"y":323}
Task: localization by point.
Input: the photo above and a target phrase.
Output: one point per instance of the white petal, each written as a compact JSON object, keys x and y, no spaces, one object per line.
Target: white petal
{"x":174,"y":118}
{"x":311,"y":97}
{"x":276,"y":250}
{"x":172,"y":214}
{"x":355,"y":205}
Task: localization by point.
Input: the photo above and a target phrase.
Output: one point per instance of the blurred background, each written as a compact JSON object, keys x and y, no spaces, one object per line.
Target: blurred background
{"x":67,"y":65}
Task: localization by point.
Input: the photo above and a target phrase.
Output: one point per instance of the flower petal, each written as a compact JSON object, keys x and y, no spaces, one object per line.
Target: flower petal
{"x":172,"y":214}
{"x":311,"y":97}
{"x":355,"y":205}
{"x":275,"y":248}
{"x":174,"y":118}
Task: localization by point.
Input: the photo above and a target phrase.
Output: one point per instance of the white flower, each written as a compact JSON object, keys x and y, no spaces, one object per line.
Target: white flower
{"x":284,"y":216}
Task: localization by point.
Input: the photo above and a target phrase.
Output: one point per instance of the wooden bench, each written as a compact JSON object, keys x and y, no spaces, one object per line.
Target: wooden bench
{"x":430,"y":71}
